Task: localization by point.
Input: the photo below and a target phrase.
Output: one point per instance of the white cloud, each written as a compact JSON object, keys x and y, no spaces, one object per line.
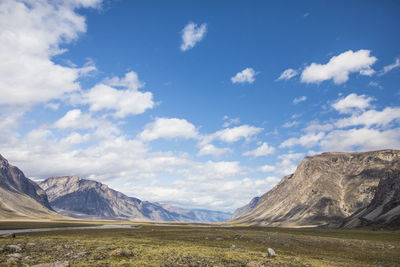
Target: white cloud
{"x":297,"y":100}
{"x":308,"y":140}
{"x":371,"y":117}
{"x":75,"y":119}
{"x":246,"y":75}
{"x":125,"y":101}
{"x":52,"y":105}
{"x":290,"y":124}
{"x":288,"y":74}
{"x":267,"y":168}
{"x":390,"y":67}
{"x":315,"y":126}
{"x":339,"y":67}
{"x":30,"y":36}
{"x":230,"y":121}
{"x":262,"y":150}
{"x":192,"y":34}
{"x":168,"y":128}
{"x":215,"y":196}
{"x":210,"y":149}
{"x":234,"y":134}
{"x":361,"y":139}
{"x":375,"y":84}
{"x":352,"y":103}
{"x":76,"y":138}
{"x":287,"y":164}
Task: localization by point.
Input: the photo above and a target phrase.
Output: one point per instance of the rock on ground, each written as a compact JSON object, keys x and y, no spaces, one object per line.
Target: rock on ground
{"x":121,"y":252}
{"x":271,"y":253}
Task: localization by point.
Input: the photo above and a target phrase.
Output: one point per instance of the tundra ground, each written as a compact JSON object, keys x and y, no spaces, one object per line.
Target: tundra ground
{"x":150,"y":244}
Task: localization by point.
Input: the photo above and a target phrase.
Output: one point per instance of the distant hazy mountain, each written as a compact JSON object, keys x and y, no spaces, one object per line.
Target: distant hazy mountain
{"x":83,"y":198}
{"x":328,"y":188}
{"x":245,"y":209}
{"x":19,"y":196}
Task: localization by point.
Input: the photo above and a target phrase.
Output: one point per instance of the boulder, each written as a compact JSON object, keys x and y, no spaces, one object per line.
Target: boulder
{"x":271,"y":253}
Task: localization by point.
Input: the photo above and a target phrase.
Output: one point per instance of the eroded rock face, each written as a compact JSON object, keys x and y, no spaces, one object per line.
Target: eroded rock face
{"x":384,"y":209}
{"x":324,"y":190}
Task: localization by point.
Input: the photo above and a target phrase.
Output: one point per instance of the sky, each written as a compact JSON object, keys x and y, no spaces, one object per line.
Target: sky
{"x":200,"y":104}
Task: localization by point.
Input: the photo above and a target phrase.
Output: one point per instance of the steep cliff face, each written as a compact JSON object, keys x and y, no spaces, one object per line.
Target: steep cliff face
{"x":324,"y":190}
{"x":89,"y":199}
{"x":384,"y":209}
{"x":20,"y":196}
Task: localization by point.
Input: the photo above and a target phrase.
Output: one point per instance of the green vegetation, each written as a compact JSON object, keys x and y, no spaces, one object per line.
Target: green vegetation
{"x":203,"y":245}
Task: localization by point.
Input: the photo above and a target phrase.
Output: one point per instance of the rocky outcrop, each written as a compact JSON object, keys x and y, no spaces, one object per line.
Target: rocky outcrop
{"x":88,"y":199}
{"x":328,"y":188}
{"x":245,"y":209}
{"x":384,"y":209}
{"x":20,"y":196}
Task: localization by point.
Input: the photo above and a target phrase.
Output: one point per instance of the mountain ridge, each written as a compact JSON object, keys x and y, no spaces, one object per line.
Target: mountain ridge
{"x":82,"y":198}
{"x":20,"y":196}
{"x":324,"y":190}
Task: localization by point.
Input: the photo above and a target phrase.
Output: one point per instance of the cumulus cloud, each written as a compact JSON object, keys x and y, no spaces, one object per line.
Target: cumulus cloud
{"x":210,"y":149}
{"x":390,"y":67}
{"x":120,"y":95}
{"x":168,"y":128}
{"x":340,"y":67}
{"x":245,"y":76}
{"x":30,"y":36}
{"x":288,"y":74}
{"x":297,"y":100}
{"x":371,"y":117}
{"x":262,"y":150}
{"x":75,"y":119}
{"x":307,"y":140}
{"x":192,"y":34}
{"x":361,"y":139}
{"x":352,"y":103}
{"x":76,"y":138}
{"x":231,"y":135}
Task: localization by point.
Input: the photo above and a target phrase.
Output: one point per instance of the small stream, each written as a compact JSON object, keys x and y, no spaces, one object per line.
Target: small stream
{"x":28,"y":230}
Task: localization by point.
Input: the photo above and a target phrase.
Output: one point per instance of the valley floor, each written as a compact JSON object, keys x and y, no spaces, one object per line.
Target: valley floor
{"x":152,"y":244}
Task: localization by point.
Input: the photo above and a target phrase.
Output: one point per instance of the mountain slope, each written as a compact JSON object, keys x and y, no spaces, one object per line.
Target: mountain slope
{"x":20,"y":196}
{"x":245,"y":209}
{"x":324,"y":190}
{"x":89,"y":199}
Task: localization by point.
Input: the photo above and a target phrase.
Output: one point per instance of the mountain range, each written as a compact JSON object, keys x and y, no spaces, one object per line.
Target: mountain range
{"x":88,"y":199}
{"x":335,"y":190}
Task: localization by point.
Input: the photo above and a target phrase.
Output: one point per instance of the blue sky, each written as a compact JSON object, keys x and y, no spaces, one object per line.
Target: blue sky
{"x":201,"y":104}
